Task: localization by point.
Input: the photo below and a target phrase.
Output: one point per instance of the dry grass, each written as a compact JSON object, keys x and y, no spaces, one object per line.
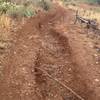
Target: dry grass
{"x":90,"y":14}
{"x":5,"y":22}
{"x":5,"y":25}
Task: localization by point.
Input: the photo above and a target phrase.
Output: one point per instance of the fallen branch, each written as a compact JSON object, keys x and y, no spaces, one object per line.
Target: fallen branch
{"x":62,"y":84}
{"x":89,"y":23}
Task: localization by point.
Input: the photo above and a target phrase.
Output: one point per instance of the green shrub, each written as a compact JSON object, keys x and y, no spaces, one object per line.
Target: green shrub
{"x":23,"y":10}
{"x":1,"y":1}
{"x":46,"y":4}
{"x":4,"y":6}
{"x":15,"y":10}
{"x":20,"y":11}
{"x":28,"y":12}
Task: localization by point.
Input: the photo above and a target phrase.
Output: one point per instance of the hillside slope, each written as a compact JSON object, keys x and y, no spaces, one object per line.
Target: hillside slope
{"x":50,"y":60}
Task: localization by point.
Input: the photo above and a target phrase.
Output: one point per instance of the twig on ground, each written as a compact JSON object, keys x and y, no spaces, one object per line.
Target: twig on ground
{"x":68,"y":88}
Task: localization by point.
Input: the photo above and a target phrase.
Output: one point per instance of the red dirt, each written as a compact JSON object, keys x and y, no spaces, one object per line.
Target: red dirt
{"x":50,"y":43}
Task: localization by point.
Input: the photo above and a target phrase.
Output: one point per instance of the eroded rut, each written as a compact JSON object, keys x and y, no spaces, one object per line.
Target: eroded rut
{"x":40,"y":64}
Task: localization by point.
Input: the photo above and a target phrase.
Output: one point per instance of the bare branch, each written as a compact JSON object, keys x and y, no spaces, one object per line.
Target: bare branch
{"x":62,"y":84}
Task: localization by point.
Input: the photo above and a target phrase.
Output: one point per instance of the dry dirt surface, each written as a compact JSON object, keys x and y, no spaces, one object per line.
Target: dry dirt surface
{"x":50,"y":59}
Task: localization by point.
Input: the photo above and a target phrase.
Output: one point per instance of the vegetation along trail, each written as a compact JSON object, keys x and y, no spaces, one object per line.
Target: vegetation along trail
{"x":50,"y":60}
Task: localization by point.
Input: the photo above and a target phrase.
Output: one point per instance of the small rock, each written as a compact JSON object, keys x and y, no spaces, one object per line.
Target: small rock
{"x":0,"y":66}
{"x":95,"y":55}
{"x":29,"y":84}
{"x":90,"y":45}
{"x":69,"y":69}
{"x":97,"y":80}
{"x":98,"y":49}
{"x":97,"y":62}
{"x":27,"y":93}
{"x":14,"y":52}
{"x":25,"y":46}
{"x":30,"y":37}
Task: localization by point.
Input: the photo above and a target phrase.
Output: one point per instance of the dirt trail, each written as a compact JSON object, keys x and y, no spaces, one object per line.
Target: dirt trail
{"x":49,"y":42}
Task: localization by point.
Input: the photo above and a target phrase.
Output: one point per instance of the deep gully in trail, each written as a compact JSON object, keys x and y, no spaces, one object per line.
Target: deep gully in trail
{"x":40,"y":63}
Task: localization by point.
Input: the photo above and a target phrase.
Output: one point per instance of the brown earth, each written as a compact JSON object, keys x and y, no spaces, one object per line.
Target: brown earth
{"x":50,"y":59}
